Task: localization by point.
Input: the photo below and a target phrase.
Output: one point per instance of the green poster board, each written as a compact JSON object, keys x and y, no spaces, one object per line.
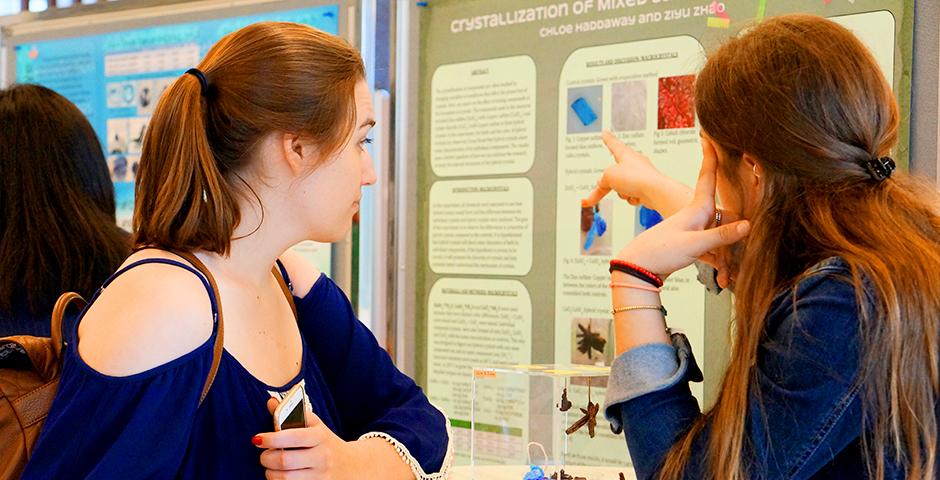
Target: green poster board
{"x":513,"y":95}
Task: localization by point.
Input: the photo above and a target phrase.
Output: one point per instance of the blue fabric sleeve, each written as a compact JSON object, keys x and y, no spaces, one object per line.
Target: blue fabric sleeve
{"x":370,"y":393}
{"x":803,"y":408}
{"x":648,"y":368}
{"x":112,"y":427}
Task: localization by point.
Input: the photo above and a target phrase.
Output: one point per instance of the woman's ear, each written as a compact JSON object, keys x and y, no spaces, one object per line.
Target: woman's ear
{"x":754,"y":170}
{"x":297,"y":153}
{"x":753,"y":181}
{"x":292,"y":151}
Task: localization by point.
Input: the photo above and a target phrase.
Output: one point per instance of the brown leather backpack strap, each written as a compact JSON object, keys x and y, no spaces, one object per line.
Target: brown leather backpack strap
{"x":219,"y":336}
{"x":58,"y":313}
{"x":284,"y":288}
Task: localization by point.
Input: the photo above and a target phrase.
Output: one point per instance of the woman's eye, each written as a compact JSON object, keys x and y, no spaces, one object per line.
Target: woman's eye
{"x":366,"y":141}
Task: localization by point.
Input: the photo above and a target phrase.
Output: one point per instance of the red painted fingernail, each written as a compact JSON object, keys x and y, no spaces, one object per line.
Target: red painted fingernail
{"x":256,"y":440}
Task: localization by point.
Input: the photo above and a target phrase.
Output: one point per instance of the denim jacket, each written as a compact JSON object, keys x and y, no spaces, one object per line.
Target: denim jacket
{"x":808,"y":422}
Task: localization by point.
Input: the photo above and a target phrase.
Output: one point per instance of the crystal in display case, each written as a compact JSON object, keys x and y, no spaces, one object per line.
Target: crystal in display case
{"x":538,"y":422}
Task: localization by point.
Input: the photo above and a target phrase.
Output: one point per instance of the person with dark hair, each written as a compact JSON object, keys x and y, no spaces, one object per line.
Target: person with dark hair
{"x":834,"y":259}
{"x":57,"y":229}
{"x":259,"y":147}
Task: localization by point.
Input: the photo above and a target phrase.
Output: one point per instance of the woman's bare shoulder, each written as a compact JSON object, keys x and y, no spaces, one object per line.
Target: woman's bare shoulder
{"x":148,"y":316}
{"x":302,"y":273}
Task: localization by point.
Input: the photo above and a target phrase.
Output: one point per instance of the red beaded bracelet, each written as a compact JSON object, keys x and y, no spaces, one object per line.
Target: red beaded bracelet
{"x":635,"y":271}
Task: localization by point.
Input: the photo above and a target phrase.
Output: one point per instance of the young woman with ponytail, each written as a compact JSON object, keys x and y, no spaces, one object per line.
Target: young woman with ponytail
{"x":258,"y":148}
{"x":834,"y":259}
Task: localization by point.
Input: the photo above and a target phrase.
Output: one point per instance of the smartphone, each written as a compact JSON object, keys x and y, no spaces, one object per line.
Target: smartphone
{"x":290,"y":412}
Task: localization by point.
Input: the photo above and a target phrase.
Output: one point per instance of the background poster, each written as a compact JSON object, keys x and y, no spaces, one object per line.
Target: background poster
{"x":117,"y":78}
{"x":512,"y":99}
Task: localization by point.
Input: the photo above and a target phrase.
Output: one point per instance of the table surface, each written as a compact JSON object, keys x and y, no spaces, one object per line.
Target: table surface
{"x":516,"y":472}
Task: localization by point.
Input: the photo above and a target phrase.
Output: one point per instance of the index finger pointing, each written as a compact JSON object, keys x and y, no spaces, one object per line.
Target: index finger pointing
{"x":618,"y":149}
{"x":597,"y":194}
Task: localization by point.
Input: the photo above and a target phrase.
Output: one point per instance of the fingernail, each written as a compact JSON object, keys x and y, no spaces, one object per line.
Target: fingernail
{"x":743,"y":227}
{"x":256,"y":440}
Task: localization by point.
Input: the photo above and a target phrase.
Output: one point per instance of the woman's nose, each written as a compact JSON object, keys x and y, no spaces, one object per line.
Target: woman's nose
{"x":368,"y":171}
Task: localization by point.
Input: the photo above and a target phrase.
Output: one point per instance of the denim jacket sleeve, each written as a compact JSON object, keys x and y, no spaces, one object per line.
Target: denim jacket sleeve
{"x":804,"y":406}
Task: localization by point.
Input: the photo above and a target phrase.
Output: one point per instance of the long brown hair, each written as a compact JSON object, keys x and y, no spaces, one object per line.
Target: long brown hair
{"x":266,"y":77}
{"x":57,"y":228}
{"x":806,"y":99}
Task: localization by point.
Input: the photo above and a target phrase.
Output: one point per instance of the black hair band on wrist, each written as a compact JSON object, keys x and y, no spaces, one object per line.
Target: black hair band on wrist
{"x":633,"y":272}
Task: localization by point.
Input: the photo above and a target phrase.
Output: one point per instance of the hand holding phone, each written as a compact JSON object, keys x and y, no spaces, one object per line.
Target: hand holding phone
{"x":290,"y":413}
{"x":301,"y":442}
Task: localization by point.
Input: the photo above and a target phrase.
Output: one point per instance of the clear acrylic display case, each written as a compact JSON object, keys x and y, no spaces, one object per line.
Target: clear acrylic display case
{"x":539,"y":415}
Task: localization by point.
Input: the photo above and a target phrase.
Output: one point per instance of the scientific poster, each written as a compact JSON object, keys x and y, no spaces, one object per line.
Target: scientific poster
{"x":512,"y":101}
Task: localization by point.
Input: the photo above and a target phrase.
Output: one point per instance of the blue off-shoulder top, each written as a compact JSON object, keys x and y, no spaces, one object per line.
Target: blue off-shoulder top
{"x":151,"y":424}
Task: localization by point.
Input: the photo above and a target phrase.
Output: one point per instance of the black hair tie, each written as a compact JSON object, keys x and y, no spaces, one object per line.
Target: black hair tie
{"x":204,"y":84}
{"x":880,"y":168}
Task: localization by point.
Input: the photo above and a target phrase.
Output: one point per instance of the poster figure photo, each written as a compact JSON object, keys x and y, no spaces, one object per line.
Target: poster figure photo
{"x":676,"y":103}
{"x":585,"y":109}
{"x":628,"y":109}
{"x":592,"y":343}
{"x":595,"y":225}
